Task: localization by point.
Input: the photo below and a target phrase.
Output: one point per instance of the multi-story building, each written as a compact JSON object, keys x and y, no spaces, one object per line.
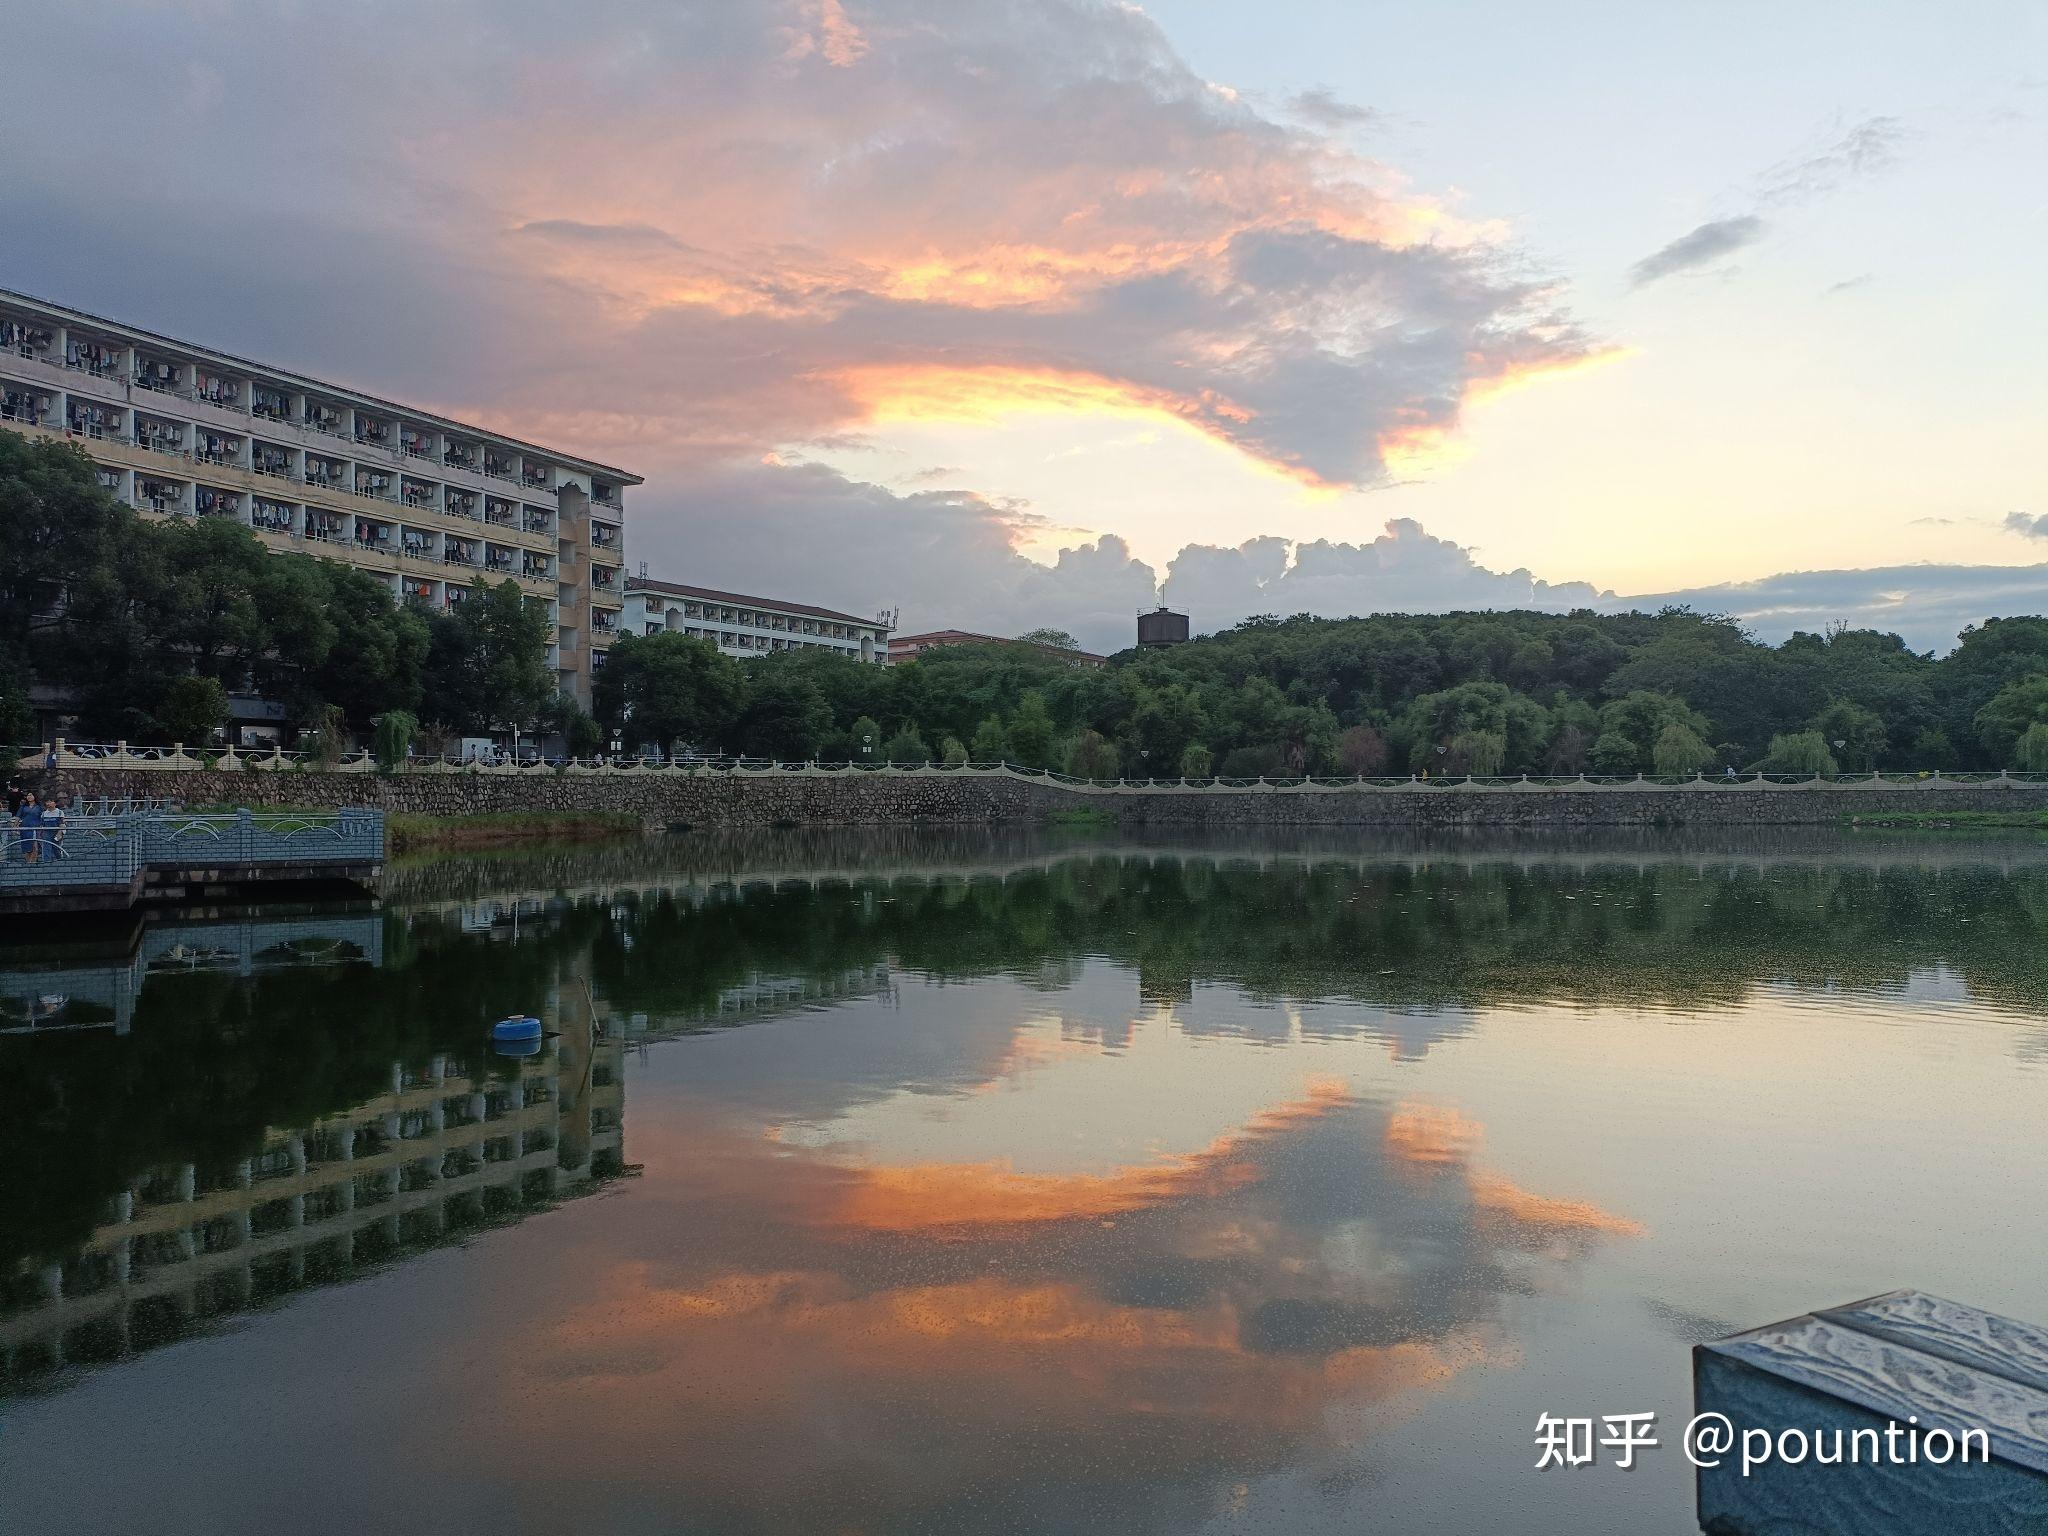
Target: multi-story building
{"x":750,"y":626}
{"x":907,"y":647}
{"x":426,"y":503}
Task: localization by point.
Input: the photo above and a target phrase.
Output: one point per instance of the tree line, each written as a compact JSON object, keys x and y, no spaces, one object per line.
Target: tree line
{"x":1675,"y":692}
{"x":145,"y":627}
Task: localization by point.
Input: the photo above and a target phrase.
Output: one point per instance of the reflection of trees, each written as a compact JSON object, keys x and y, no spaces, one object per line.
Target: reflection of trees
{"x":214,"y":1060}
{"x":1395,"y":935}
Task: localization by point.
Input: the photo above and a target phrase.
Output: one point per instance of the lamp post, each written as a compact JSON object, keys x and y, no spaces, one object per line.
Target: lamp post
{"x":866,"y":747}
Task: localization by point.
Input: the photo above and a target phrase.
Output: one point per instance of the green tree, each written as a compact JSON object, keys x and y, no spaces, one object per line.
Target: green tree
{"x":1090,"y":755}
{"x":392,"y":739}
{"x":1856,"y":734}
{"x":953,"y":752}
{"x":1197,"y":761}
{"x":485,"y":664}
{"x":1031,"y":730}
{"x":1643,"y":715}
{"x":193,"y":709}
{"x":1933,"y":749}
{"x":991,"y":742}
{"x":784,"y":715}
{"x":1480,"y":753}
{"x":2009,"y":712}
{"x":1799,"y":752}
{"x":906,"y":747}
{"x":2030,"y":753}
{"x":668,"y":691}
{"x":61,"y":537}
{"x":1058,"y":639}
{"x":1679,"y":750}
{"x":865,"y":741}
{"x":1613,"y":754}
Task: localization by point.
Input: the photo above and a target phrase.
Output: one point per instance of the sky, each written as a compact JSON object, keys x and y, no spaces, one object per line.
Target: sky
{"x":1005,"y":314}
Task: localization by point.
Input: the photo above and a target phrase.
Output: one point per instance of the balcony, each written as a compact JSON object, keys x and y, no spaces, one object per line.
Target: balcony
{"x":266,"y":459}
{"x":419,"y":591}
{"x":217,"y":448}
{"x":83,"y":419}
{"x":416,"y":493}
{"x":324,"y":527}
{"x":159,"y":495}
{"x":534,"y":479}
{"x":462,"y":456}
{"x":270,"y":404}
{"x":603,"y":536}
{"x":325,"y":473}
{"x":209,"y":502}
{"x":373,"y":433}
{"x":160,"y":437}
{"x":373,"y":536}
{"x":537,"y":520}
{"x":459,"y":503}
{"x":417,"y":546}
{"x":24,"y":406}
{"x":602,"y":495}
{"x":370,"y":483}
{"x":534,"y":569}
{"x":216,"y":390}
{"x":604,"y":579}
{"x":92,"y":357}
{"x":603,"y":622}
{"x":498,"y":513}
{"x":159,"y":374}
{"x":458,"y":553}
{"x":497,"y":468}
{"x":25,"y":340}
{"x":271,"y":516}
{"x":415,"y":444}
{"x":325,"y":419}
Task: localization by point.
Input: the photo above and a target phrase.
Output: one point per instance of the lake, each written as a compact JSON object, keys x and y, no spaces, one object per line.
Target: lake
{"x":992,"y":1182}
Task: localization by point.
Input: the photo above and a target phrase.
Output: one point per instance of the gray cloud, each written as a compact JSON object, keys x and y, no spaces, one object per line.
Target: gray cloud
{"x":1697,"y":248}
{"x":1849,"y":284}
{"x":2032,"y":527}
{"x":1325,"y":109}
{"x":1868,"y":148}
{"x":756,"y":208}
{"x":946,"y":558}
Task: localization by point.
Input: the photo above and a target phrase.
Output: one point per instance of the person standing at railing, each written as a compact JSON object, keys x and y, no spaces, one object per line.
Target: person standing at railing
{"x":52,"y":837}
{"x":31,"y":823}
{"x":15,"y":795}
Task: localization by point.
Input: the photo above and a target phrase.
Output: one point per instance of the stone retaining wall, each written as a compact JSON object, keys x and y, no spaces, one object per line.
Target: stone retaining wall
{"x":668,"y":799}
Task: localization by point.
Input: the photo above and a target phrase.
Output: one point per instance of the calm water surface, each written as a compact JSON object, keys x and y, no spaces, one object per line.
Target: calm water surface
{"x":961,"y":1184}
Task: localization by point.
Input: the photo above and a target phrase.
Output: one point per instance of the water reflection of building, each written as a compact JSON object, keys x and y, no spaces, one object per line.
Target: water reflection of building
{"x":101,"y":992}
{"x":765,"y":997}
{"x":444,"y":1152}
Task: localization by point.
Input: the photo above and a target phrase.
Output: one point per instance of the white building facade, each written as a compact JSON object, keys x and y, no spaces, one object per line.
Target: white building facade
{"x":425,"y":503}
{"x":751,"y":626}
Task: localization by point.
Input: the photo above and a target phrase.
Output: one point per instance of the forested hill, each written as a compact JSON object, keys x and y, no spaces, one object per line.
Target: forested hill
{"x":1672,"y":692}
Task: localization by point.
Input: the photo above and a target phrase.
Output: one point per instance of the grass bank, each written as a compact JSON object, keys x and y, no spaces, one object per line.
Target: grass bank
{"x":2036,"y":821}
{"x":505,"y":829}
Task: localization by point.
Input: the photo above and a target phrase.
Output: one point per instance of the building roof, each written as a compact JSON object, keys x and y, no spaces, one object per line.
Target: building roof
{"x":322,"y":386}
{"x":711,"y":595}
{"x":969,"y":637}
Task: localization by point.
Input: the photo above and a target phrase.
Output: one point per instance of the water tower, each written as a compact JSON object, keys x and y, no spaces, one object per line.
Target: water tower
{"x":1162,"y":627}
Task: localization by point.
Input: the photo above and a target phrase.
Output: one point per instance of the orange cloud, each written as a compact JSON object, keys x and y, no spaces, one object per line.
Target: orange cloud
{"x":928,"y":1197}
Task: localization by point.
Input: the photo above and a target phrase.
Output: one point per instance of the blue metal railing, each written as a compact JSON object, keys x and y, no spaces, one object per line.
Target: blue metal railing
{"x":113,"y":850}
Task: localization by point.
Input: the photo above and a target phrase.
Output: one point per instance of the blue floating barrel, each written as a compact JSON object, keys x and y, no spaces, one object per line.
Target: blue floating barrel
{"x":516,"y":1028}
{"x":516,"y":1047}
